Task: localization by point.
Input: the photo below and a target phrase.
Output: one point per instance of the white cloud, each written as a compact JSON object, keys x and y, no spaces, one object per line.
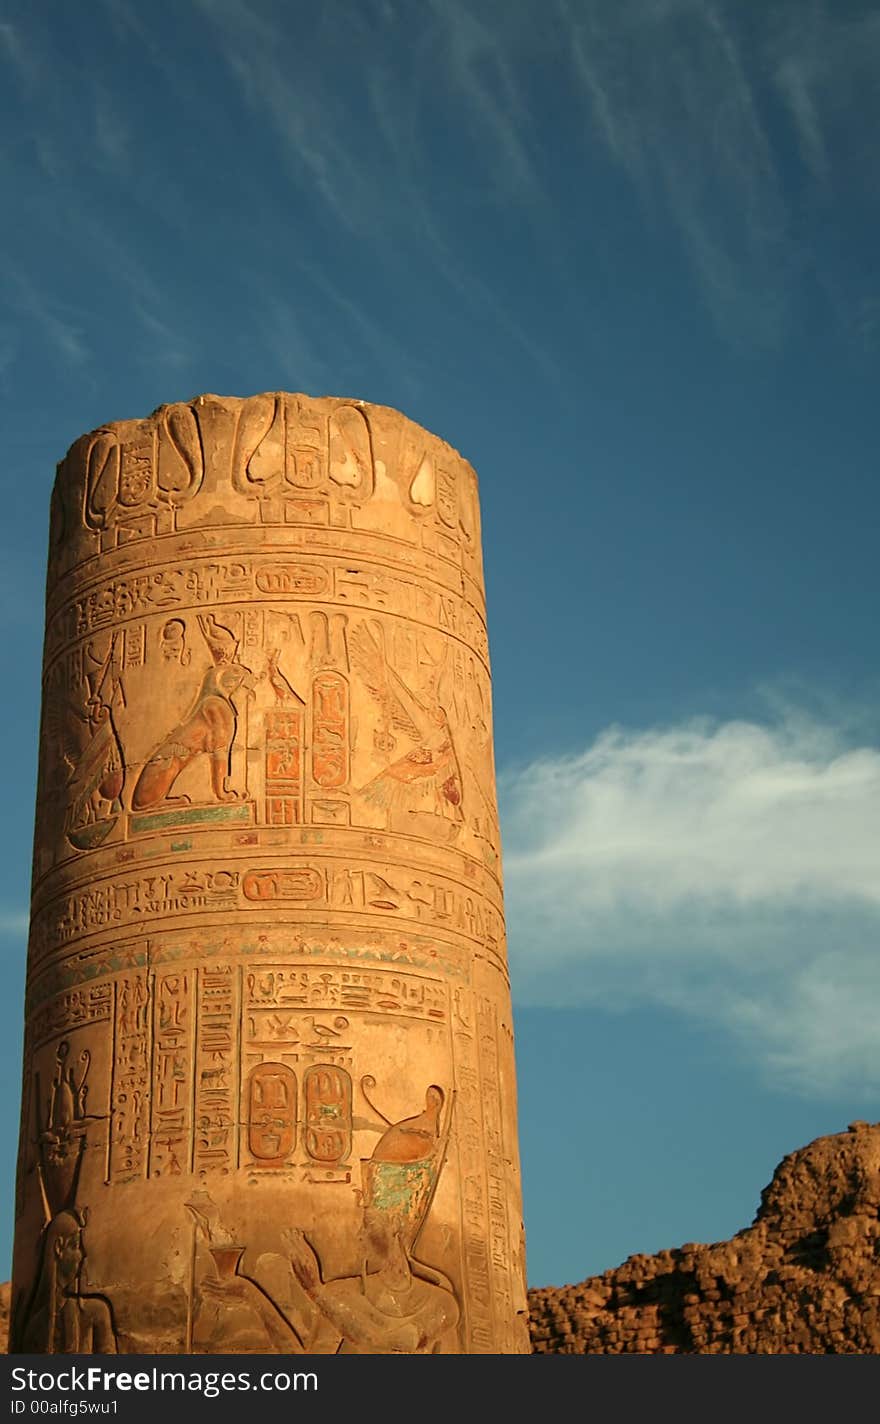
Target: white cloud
{"x":727,"y":870}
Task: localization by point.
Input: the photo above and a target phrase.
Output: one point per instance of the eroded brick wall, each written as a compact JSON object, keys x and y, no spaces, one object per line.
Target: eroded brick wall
{"x":803,"y":1279}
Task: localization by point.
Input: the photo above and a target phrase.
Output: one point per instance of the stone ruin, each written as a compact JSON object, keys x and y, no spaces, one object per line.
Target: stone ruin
{"x":269,"y":1092}
{"x":803,"y":1279}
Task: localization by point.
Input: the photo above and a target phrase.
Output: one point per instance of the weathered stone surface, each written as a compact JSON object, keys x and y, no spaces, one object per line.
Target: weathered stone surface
{"x":803,"y":1279}
{"x":268,"y":1089}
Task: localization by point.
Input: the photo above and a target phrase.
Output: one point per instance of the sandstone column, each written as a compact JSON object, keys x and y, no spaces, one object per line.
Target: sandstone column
{"x":269,"y":1097}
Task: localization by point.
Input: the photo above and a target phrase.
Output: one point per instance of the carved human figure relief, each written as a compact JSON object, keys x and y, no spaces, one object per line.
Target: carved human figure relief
{"x":396,"y":1304}
{"x":61,"y":1314}
{"x":227,"y":1310}
{"x":62,"y":1317}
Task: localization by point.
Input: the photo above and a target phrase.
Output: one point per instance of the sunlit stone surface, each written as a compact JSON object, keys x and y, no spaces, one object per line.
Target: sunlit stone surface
{"x":269,"y":1097}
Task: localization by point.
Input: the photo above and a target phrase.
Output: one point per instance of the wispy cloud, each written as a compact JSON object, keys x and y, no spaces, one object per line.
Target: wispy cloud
{"x":13,"y":922}
{"x":9,"y":345}
{"x":261,"y":51}
{"x":483,"y":71}
{"x":394,"y":356}
{"x":166,"y":346}
{"x":728,"y":870}
{"x":16,"y":51}
{"x":125,"y":20}
{"x":423,"y":137}
{"x":363,"y":148}
{"x":290,"y":340}
{"x":63,"y":336}
{"x":671,"y":95}
{"x":684,"y":96}
{"x":112,"y":137}
{"x":823,"y":61}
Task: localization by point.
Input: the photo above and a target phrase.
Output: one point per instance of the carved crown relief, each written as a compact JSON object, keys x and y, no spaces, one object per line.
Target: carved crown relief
{"x":273,"y":459}
{"x":129,"y":482}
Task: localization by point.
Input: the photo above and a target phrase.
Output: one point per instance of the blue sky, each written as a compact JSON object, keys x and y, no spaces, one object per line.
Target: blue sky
{"x":624,"y":257}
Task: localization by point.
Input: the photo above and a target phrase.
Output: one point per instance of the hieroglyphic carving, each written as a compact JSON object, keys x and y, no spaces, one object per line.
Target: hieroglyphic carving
{"x":292,"y":580}
{"x":271,"y":1115}
{"x":131,"y":901}
{"x":266,"y":617}
{"x":280,"y":986}
{"x":65,"y":1012}
{"x":427,"y":899}
{"x":496,"y":1173}
{"x":123,"y":905}
{"x":299,"y":467}
{"x":478,"y":1280}
{"x":201,"y":584}
{"x":173,"y":642}
{"x":329,"y":730}
{"x":216,"y":1080}
{"x":171,"y":1096}
{"x":285,"y":735}
{"x":271,"y":459}
{"x":327,"y":1092}
{"x":130,"y":1088}
{"x":116,"y":601}
{"x":267,"y":465}
{"x":299,"y":885}
{"x":393,"y":1303}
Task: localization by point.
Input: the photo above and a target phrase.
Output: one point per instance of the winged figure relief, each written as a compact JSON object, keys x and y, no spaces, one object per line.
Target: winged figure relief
{"x":427,"y":776}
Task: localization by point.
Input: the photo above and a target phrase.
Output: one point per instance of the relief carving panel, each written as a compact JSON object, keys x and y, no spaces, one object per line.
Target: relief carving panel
{"x":267,"y":987}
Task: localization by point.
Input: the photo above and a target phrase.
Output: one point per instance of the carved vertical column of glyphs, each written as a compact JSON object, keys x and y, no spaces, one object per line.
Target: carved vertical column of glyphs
{"x":268,"y":1081}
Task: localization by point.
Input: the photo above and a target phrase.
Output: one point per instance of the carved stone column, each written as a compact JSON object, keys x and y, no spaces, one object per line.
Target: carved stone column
{"x":269,"y":1096}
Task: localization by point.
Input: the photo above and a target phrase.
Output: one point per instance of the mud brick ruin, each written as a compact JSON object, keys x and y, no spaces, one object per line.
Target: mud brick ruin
{"x":803,"y":1279}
